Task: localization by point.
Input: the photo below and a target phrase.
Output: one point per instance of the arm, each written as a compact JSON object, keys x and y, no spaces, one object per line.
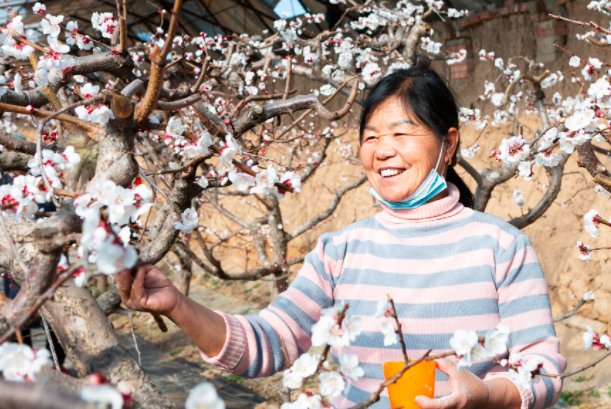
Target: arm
{"x":248,"y":346}
{"x":524,"y":306}
{"x":253,"y":347}
{"x":147,"y":289}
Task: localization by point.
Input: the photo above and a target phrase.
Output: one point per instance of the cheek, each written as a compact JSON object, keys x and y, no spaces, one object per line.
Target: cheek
{"x":366,"y":155}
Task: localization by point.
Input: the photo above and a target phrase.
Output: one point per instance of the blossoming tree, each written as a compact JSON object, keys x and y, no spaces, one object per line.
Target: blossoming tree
{"x":175,"y":141}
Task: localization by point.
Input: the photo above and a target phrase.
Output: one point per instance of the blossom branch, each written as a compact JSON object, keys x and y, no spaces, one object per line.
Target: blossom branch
{"x":339,"y":193}
{"x":395,"y":315}
{"x":158,"y":63}
{"x":323,"y":356}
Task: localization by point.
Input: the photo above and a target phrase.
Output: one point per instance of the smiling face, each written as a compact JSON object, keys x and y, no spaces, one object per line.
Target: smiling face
{"x":398,"y":153}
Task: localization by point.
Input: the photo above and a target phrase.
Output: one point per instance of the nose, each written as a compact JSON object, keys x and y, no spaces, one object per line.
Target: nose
{"x":385,"y":149}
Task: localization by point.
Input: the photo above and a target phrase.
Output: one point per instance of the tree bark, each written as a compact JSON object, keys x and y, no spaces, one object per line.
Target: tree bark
{"x":92,"y":344}
{"x":186,"y":272}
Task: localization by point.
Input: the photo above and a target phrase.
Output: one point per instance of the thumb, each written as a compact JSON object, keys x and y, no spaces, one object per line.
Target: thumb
{"x":448,"y":367}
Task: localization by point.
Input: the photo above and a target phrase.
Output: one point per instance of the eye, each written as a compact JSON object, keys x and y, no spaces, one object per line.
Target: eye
{"x":369,"y":138}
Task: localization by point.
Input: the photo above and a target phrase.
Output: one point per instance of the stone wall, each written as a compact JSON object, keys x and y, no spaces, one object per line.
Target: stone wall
{"x":517,"y":29}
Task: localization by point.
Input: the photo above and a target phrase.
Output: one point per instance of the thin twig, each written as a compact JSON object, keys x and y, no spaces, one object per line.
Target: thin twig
{"x":131,"y":325}
{"x":396,"y":317}
{"x":50,"y":340}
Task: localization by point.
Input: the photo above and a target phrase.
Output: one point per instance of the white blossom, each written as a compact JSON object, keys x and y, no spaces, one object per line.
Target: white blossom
{"x":21,"y":363}
{"x":349,"y":366}
{"x":591,"y":225}
{"x":390,"y":335}
{"x":189,"y":221}
{"x":104,"y":394}
{"x":204,"y":396}
{"x":331,"y":384}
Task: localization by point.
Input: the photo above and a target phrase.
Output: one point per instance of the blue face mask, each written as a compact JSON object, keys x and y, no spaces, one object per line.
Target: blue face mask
{"x":432,"y":185}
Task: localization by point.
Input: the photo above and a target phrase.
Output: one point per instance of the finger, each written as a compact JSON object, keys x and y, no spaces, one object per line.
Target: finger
{"x":446,"y":402}
{"x":137,"y":291}
{"x":124,"y":283}
{"x":447,"y":367}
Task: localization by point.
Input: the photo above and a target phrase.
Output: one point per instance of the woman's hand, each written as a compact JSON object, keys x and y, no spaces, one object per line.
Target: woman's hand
{"x":146,"y":288}
{"x":470,"y":392}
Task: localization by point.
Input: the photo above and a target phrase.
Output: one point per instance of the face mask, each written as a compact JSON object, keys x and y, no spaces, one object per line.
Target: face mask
{"x":432,"y":185}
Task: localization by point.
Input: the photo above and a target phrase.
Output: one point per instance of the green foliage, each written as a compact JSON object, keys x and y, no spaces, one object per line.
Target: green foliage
{"x":176,"y":352}
{"x":582,"y":378}
{"x":572,"y":398}
{"x":235,"y":378}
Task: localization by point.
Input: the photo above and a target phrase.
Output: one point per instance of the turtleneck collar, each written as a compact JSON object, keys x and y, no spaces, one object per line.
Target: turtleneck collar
{"x":439,"y":209}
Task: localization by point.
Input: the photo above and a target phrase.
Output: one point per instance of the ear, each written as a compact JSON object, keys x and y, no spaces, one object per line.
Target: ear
{"x":451,"y":143}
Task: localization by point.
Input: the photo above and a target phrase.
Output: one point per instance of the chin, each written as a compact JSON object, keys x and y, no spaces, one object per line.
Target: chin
{"x":394,"y":197}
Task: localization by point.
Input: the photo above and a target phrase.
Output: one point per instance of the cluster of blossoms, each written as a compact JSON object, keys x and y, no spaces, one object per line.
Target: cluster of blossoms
{"x":591,"y":221}
{"x":54,"y":164}
{"x":21,"y":198}
{"x":596,"y":341}
{"x":523,"y":372}
{"x":469,"y":347}
{"x":518,"y":198}
{"x":339,"y":329}
{"x":16,"y":42}
{"x":470,"y":151}
{"x":100,"y":114}
{"x":107,"y":239}
{"x":333,"y":332}
{"x":22,"y":363}
{"x":584,"y":251}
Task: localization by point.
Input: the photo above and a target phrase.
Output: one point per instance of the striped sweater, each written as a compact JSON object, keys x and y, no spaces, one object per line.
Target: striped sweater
{"x":446,"y":266}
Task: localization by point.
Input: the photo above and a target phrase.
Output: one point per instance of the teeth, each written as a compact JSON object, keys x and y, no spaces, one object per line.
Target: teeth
{"x":389,"y":172}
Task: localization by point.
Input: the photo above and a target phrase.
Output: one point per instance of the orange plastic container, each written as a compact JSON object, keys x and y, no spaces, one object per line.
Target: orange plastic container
{"x":419,"y":380}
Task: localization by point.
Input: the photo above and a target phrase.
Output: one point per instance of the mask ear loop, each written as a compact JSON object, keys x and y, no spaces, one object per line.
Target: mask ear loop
{"x":439,"y":158}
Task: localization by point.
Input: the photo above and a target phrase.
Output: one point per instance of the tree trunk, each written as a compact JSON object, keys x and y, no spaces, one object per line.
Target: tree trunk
{"x":92,"y":345}
{"x":186,"y":272}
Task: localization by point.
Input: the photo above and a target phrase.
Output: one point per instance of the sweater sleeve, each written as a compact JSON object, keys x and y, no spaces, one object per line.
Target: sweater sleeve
{"x":253,"y":346}
{"x":524,"y":306}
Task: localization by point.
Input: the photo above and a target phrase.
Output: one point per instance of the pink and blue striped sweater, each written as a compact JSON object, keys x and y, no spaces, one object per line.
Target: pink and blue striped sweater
{"x":446,"y":266}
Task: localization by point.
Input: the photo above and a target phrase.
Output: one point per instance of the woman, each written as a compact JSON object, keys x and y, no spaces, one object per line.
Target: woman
{"x":446,"y":266}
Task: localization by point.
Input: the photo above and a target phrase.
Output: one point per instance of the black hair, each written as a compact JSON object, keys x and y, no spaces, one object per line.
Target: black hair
{"x":426,"y":96}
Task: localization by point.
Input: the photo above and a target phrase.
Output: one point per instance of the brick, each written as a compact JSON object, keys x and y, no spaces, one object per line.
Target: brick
{"x":449,"y":35}
{"x":524,"y":8}
{"x":470,"y":22}
{"x":547,"y":58}
{"x":460,"y":76}
{"x":487,"y":15}
{"x":550,"y":41}
{"x":540,"y":17}
{"x":437,"y":26}
{"x":549,"y":24}
{"x":459,"y":41}
{"x":508,"y":11}
{"x":539,"y":34}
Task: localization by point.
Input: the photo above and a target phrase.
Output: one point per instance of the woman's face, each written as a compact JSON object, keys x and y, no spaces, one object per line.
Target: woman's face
{"x":398,"y":154}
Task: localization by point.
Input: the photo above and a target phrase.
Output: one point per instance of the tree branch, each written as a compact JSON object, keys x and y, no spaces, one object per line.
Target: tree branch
{"x":339,"y":193}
